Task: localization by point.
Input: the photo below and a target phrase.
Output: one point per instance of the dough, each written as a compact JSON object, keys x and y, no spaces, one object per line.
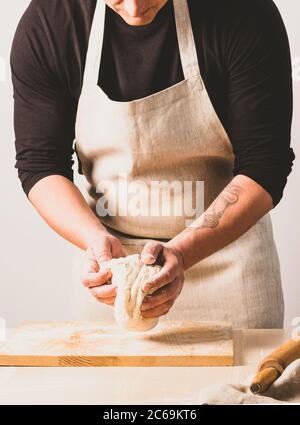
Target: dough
{"x":130,"y":275}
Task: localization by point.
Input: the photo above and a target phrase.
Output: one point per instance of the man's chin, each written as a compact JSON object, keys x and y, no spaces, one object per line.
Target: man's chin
{"x":139,"y":21}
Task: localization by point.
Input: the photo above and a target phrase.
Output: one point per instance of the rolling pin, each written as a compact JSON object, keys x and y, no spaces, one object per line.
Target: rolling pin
{"x":274,"y":364}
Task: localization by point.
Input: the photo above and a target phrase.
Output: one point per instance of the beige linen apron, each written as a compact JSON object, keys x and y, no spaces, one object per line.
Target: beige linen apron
{"x":172,"y":135}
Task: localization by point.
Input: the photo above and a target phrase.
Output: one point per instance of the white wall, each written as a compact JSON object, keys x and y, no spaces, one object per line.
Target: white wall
{"x":36,"y":264}
{"x":285,"y":216}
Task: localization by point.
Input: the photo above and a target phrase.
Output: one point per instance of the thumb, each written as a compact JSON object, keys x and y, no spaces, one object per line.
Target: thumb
{"x":150,"y":252}
{"x":103,"y":256}
{"x":102,"y":251}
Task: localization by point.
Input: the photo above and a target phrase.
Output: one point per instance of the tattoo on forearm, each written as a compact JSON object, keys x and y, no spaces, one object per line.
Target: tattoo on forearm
{"x":228,"y":197}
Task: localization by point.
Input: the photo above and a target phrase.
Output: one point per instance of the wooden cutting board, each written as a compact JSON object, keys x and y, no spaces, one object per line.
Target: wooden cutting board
{"x":170,"y":343}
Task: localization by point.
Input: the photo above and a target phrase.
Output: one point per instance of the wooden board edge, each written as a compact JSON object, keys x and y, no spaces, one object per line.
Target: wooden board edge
{"x":27,"y":360}
{"x":116,"y":361}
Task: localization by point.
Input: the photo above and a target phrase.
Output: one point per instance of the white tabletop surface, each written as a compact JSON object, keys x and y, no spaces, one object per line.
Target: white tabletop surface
{"x":135,"y":385}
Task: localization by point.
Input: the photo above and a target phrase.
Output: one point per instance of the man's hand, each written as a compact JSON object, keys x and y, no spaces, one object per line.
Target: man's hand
{"x":167,"y":284}
{"x":104,"y":248}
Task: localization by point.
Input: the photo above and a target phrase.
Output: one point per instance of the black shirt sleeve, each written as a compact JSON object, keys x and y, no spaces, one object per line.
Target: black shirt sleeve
{"x":44,"y":113}
{"x":260,"y":95}
{"x":244,"y":58}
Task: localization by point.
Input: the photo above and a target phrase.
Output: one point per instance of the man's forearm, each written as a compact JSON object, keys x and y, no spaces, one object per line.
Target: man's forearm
{"x":63,"y":207}
{"x":238,"y":207}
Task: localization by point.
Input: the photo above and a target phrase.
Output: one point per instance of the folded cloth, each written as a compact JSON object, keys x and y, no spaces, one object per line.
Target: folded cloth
{"x":285,"y":390}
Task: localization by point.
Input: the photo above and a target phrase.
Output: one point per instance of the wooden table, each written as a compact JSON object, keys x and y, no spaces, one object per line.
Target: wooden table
{"x":129,"y":385}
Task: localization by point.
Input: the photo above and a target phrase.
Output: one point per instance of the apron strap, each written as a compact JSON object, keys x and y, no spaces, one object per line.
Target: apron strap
{"x":94,"y":52}
{"x":186,"y":42}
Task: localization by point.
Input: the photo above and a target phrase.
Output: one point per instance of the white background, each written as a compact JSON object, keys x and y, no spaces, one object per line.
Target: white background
{"x":36,"y":264}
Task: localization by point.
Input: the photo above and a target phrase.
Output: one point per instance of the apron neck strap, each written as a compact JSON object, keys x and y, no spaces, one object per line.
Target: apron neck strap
{"x":186,"y":42}
{"x":94,"y":51}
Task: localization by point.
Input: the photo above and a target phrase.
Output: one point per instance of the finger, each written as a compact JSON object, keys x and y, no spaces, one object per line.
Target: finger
{"x":96,"y":279}
{"x":101,"y":252}
{"x":104,"y":291}
{"x":162,"y":295}
{"x":166,"y":275}
{"x":103,"y":255}
{"x":150,"y":252}
{"x":119,"y":251}
{"x":107,"y":301}
{"x":90,"y":266}
{"x":158,"y":311}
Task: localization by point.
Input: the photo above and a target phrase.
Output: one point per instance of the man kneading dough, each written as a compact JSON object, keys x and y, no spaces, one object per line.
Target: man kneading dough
{"x":178,"y":91}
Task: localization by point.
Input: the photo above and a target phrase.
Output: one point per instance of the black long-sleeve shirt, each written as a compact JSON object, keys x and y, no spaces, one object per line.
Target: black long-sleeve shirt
{"x":244,"y":59}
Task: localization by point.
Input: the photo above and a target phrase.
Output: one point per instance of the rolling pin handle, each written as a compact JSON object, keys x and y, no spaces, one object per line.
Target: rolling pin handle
{"x":273,"y":366}
{"x":264,"y":379}
{"x":255,"y":388}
